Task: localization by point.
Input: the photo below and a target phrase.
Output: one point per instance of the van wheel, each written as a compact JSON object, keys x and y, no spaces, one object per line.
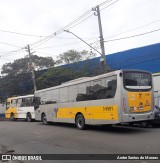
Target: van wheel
{"x":12,"y":117}
{"x":29,"y":117}
{"x":44,"y":119}
{"x":80,"y":122}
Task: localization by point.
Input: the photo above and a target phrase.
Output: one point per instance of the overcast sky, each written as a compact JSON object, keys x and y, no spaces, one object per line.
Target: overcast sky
{"x":45,"y":17}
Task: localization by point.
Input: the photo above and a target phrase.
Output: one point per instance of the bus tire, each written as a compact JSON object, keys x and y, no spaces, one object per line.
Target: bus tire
{"x":80,"y":122}
{"x":44,"y":119}
{"x":29,"y":117}
{"x":12,"y":117}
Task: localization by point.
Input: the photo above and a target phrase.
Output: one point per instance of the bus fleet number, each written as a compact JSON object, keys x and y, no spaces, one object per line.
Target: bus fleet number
{"x":108,"y":108}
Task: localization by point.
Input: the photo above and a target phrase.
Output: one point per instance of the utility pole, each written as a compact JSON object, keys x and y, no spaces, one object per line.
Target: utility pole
{"x":32,"y":68}
{"x":103,"y":57}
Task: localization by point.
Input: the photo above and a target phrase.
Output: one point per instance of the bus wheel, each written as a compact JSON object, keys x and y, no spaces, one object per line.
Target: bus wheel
{"x":44,"y":119}
{"x":80,"y":122}
{"x":12,"y":118}
{"x":29,"y":117}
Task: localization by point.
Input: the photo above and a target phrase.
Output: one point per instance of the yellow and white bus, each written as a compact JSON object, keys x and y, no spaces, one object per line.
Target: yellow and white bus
{"x":20,"y":107}
{"x":112,"y":98}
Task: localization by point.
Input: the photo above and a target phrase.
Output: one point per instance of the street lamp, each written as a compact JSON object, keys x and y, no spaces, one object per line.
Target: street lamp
{"x":102,"y":59}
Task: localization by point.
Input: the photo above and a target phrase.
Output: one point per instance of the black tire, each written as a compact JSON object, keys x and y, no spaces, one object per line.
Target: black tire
{"x":12,"y":117}
{"x":29,"y":117}
{"x":44,"y":119}
{"x":80,"y":122}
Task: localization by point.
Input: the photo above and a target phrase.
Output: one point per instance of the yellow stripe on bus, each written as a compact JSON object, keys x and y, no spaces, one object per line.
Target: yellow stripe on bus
{"x":90,"y":112}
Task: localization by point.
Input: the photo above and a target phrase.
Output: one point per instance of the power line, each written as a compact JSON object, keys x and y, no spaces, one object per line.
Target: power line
{"x":109,"y":5}
{"x":59,"y":45}
{"x":72,"y":43}
{"x":73,"y":22}
{"x":44,"y":41}
{"x":40,"y":42}
{"x":8,"y":53}
{"x":81,"y":21}
{"x":12,"y":52}
{"x":9,"y":44}
{"x":5,"y":52}
{"x":1,"y":30}
{"x":141,"y":34}
{"x":72,"y":38}
{"x":24,"y":34}
{"x":134,"y":28}
{"x":47,"y":38}
{"x":103,"y":3}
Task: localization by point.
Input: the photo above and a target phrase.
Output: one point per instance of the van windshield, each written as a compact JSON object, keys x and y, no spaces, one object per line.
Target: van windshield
{"x":137,"y":81}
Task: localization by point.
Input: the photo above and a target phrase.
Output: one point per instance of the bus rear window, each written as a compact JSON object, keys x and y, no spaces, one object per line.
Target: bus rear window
{"x":137,"y":80}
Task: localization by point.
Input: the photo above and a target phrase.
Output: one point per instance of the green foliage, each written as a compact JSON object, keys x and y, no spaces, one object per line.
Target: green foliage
{"x":73,"y":56}
{"x":22,"y":65}
{"x":54,"y":76}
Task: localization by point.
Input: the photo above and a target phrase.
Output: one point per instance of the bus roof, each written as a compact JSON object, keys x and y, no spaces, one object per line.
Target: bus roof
{"x":86,"y":79}
{"x":12,"y":98}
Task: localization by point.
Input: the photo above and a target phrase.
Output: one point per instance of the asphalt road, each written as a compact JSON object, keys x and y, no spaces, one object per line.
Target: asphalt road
{"x":22,"y":137}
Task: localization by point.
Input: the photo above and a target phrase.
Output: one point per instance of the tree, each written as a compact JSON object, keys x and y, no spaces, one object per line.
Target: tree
{"x":73,"y":56}
{"x":54,"y":76}
{"x":22,"y":65}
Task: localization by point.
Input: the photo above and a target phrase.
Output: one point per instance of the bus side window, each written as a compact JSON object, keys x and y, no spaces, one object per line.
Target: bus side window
{"x":83,"y":94}
{"x":19,"y":102}
{"x":13,"y":103}
{"x":104,"y":88}
{"x":98,"y":89}
{"x":112,"y":86}
{"x":29,"y":101}
{"x":23,"y":103}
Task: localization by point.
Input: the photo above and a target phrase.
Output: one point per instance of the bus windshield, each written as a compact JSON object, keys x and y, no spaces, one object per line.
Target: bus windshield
{"x":137,"y":81}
